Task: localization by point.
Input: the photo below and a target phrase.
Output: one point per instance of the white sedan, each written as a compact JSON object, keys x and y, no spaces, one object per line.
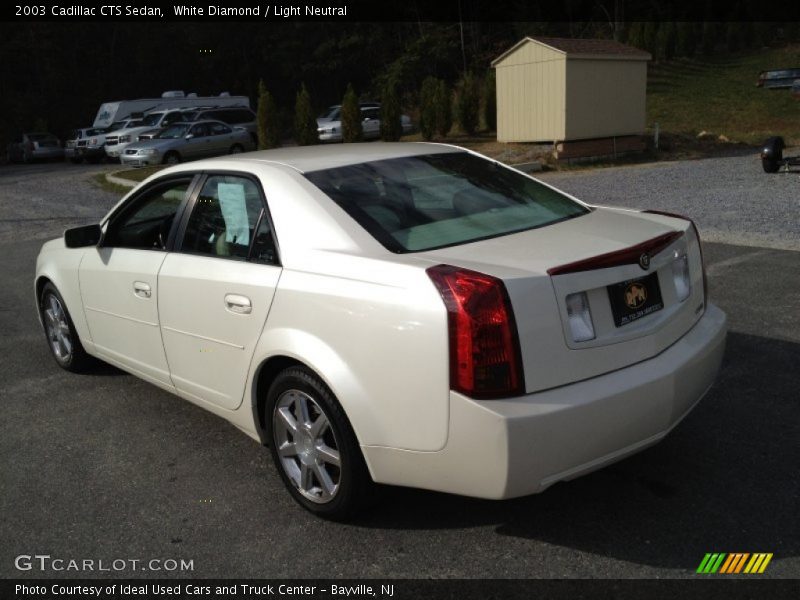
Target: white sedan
{"x":408,"y":314}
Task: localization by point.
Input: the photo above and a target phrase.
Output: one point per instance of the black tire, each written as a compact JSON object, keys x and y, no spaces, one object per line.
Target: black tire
{"x":172,"y":158}
{"x":770,"y":165}
{"x":236,"y":149}
{"x":75,"y":160}
{"x":354,"y":488}
{"x":75,"y":360}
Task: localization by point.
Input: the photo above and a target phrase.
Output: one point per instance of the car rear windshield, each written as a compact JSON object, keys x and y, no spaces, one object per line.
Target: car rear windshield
{"x":419,"y":203}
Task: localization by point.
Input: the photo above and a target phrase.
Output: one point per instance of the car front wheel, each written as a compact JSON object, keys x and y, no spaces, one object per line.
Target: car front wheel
{"x":314,"y":448}
{"x":65,"y":346}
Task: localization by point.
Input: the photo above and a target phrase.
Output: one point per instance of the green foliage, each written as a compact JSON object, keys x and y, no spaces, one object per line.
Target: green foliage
{"x":468,"y":104}
{"x":650,"y":38}
{"x":444,"y":109}
{"x":267,"y":119}
{"x":305,"y":125}
{"x":352,"y":131}
{"x":666,"y":39}
{"x":391,"y":129}
{"x":40,"y":124}
{"x":490,"y":101}
{"x":636,"y":35}
{"x":718,"y":95}
{"x":427,"y":107}
{"x":709,"y":39}
{"x":685,"y":42}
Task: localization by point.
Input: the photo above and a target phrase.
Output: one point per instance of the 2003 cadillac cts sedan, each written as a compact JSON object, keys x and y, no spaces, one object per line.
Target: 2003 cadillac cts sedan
{"x":409,"y":314}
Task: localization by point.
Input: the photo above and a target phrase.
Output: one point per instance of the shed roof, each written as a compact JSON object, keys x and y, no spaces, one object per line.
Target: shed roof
{"x":584,"y":48}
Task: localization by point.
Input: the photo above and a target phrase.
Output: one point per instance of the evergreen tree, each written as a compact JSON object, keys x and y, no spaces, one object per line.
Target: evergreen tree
{"x":267,"y":119}
{"x":490,"y":101}
{"x":352,"y":131}
{"x":391,"y":129}
{"x":468,"y":104}
{"x":427,"y":107}
{"x":444,"y":109}
{"x":305,"y":125}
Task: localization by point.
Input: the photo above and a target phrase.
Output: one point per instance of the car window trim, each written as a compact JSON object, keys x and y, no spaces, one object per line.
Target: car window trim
{"x":192,"y":178}
{"x":265,"y":213}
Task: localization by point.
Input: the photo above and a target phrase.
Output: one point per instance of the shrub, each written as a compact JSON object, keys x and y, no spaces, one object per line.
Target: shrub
{"x":490,"y":101}
{"x":427,"y":110}
{"x":267,"y":119}
{"x":468,"y":104}
{"x":391,"y":129}
{"x":444,"y":109}
{"x":352,"y":131}
{"x":305,"y":125}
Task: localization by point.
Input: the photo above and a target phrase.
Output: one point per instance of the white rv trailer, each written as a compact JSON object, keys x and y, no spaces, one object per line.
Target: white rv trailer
{"x":110,"y":112}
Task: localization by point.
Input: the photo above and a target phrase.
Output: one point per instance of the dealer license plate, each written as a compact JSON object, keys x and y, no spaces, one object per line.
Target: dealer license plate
{"x":634,"y":299}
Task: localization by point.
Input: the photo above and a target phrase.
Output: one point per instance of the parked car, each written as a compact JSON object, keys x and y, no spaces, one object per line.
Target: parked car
{"x":34,"y":146}
{"x":235,"y":116}
{"x":188,"y":141}
{"x":334,"y":112}
{"x":331,"y":130}
{"x":117,"y":141}
{"x":86,"y":144}
{"x":409,"y":314}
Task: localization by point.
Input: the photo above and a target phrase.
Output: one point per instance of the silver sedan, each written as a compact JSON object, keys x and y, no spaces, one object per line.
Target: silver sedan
{"x":188,"y":141}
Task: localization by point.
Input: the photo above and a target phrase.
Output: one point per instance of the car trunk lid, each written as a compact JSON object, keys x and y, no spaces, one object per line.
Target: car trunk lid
{"x":595,"y":255}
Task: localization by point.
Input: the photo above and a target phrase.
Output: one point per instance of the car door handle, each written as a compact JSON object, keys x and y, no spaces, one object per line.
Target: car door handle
{"x":141,"y":289}
{"x":238,"y":304}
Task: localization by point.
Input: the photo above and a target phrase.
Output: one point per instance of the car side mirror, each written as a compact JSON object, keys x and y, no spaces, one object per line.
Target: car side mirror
{"x":81,"y":237}
{"x":189,"y":136}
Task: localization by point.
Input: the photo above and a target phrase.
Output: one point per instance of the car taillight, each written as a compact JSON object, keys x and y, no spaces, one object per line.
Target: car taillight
{"x":485,"y":357}
{"x":699,"y":245}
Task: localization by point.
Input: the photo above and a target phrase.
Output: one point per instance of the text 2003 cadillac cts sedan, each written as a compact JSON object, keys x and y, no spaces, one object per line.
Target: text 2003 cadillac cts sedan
{"x":411,"y":314}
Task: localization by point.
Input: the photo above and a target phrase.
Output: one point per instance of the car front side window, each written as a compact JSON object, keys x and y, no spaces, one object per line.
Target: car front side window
{"x":146,"y":222}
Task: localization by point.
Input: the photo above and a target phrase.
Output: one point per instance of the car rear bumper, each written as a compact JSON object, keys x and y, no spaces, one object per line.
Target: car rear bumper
{"x":507,"y":448}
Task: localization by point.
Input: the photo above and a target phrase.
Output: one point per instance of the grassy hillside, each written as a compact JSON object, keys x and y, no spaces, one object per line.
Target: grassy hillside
{"x":718,"y":94}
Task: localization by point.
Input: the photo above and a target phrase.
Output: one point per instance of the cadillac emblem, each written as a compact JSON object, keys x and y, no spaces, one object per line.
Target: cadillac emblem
{"x":635,"y":295}
{"x":644,"y":261}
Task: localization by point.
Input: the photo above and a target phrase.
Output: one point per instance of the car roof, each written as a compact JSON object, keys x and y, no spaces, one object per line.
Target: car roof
{"x":306,"y":159}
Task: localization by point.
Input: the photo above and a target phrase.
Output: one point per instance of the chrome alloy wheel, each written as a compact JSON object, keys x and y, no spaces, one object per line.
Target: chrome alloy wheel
{"x":307,"y":446}
{"x":57,"y":326}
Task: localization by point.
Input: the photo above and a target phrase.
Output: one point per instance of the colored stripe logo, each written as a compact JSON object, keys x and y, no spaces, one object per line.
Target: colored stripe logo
{"x":736,"y":562}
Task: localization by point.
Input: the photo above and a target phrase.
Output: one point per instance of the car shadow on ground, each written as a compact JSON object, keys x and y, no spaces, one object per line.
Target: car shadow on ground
{"x":724,"y":480}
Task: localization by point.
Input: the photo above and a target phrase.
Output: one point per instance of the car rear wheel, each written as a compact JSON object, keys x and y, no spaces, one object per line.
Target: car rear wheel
{"x":172,"y":158}
{"x":236,"y":149}
{"x":65,"y":345}
{"x":313,"y":446}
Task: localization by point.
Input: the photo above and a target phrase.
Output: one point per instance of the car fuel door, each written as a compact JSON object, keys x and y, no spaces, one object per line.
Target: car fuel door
{"x":216,"y":291}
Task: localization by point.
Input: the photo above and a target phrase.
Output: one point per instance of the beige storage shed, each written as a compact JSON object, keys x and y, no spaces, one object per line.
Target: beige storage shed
{"x":559,"y":89}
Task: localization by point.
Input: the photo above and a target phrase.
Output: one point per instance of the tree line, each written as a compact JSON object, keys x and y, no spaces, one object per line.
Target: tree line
{"x":57,"y":74}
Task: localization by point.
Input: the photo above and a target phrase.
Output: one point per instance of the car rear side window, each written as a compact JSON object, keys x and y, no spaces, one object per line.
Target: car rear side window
{"x":419,"y":203}
{"x":228,"y":220}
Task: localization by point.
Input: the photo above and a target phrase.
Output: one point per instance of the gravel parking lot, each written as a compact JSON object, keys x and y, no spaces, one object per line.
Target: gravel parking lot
{"x":105,"y":466}
{"x":731,"y":199}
